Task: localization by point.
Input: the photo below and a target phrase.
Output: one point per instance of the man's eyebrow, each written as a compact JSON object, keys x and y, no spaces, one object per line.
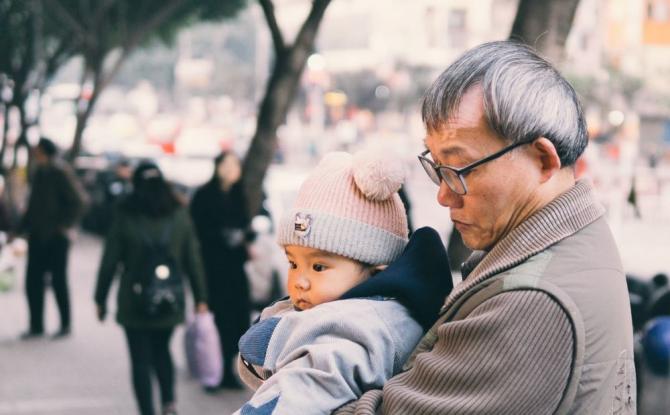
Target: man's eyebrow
{"x":456,"y":150}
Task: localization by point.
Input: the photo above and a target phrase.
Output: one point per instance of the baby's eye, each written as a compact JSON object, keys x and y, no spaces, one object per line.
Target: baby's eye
{"x":292,"y":265}
{"x":318,"y":267}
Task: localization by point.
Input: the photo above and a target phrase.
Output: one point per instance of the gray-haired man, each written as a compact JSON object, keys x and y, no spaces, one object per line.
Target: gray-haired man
{"x":541,"y":323}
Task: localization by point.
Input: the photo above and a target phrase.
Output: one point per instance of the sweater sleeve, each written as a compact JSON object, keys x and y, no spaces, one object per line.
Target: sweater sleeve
{"x":511,"y":355}
{"x":73,"y":196}
{"x":327,"y":360}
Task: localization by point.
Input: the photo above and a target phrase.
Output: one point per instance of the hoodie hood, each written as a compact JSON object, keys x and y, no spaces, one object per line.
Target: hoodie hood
{"x":420,"y":279}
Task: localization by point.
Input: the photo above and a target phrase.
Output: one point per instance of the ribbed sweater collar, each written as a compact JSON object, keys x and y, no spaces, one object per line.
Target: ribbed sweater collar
{"x":562,"y":217}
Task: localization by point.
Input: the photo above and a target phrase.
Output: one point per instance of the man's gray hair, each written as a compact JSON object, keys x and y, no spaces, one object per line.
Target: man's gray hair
{"x":524,"y":97}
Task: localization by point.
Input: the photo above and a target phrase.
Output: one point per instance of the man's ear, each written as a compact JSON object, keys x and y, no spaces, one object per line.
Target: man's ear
{"x":547,"y":157}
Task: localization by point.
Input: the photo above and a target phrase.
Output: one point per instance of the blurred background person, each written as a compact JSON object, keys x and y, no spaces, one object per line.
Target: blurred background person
{"x":219,"y":211}
{"x":106,"y":188}
{"x":151,"y":211}
{"x":55,"y":205}
{"x":5,"y":221}
{"x":117,"y":185}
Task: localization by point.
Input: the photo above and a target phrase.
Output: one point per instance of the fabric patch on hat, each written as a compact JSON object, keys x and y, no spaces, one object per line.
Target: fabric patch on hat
{"x":302,"y":224}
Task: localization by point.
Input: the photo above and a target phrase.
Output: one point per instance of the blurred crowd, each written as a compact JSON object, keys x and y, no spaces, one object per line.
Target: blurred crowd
{"x":162,"y":241}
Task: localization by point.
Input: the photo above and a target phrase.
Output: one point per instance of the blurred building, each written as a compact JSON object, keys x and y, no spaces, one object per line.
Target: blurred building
{"x":630,"y":36}
{"x":621,"y":51}
{"x":373,"y":34}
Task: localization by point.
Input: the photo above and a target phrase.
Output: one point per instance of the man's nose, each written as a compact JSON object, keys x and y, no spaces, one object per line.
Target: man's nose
{"x":447,"y":197}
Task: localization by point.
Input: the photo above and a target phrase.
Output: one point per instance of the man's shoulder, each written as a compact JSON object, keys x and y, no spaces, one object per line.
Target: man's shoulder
{"x":592,"y":247}
{"x":58,"y":166}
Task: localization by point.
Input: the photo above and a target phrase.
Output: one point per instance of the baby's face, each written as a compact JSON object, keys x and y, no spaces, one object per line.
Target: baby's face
{"x":316,"y":277}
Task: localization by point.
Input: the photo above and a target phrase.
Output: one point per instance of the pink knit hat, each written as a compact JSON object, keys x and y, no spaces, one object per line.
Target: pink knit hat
{"x":349,"y":206}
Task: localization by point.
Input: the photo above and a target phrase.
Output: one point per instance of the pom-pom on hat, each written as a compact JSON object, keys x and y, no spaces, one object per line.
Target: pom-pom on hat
{"x":349,"y":206}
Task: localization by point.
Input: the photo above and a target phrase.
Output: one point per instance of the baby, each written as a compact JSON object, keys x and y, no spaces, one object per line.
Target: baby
{"x":349,"y":323}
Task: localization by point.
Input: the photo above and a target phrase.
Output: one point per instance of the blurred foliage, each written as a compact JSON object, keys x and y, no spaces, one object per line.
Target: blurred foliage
{"x":100,"y":26}
{"x":38,"y":36}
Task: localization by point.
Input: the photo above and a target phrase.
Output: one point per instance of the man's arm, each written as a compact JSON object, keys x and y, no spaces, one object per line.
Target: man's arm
{"x":111,"y":257}
{"x":512,"y":355}
{"x":72,"y":194}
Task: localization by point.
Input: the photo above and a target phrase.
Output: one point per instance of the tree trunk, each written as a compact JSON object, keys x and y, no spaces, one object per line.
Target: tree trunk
{"x":5,"y":129}
{"x":544,"y":25}
{"x":23,"y":136}
{"x":82,"y":119}
{"x":273,"y":111}
{"x":84,"y":115}
{"x":282,"y":86}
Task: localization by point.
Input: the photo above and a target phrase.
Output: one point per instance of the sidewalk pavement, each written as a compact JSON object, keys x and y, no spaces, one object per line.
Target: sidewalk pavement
{"x":87,"y":373}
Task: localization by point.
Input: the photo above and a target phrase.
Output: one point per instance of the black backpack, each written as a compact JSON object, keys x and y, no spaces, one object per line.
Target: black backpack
{"x":162,"y":286}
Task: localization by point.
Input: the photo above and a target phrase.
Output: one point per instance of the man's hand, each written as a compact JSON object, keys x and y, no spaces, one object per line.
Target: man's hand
{"x":101,"y":312}
{"x":201,"y":308}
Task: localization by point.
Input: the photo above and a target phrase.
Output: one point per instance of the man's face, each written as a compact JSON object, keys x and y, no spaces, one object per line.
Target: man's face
{"x":124,"y":171}
{"x":40,"y":156}
{"x":500,"y":192}
{"x":229,"y":170}
{"x":316,"y":277}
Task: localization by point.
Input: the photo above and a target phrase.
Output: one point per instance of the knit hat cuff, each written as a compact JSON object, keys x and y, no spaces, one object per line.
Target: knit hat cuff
{"x":339,"y":235}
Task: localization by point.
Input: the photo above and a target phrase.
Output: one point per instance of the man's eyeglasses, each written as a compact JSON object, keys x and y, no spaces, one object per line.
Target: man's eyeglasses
{"x":455,"y":178}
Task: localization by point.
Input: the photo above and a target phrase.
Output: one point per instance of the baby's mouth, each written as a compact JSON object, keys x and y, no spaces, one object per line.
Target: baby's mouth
{"x":301,"y":304}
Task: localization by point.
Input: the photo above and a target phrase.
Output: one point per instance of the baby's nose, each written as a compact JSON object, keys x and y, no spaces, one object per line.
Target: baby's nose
{"x":302,"y":283}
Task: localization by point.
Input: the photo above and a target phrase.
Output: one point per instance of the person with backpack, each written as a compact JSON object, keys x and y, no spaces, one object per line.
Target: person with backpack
{"x":153,"y":241}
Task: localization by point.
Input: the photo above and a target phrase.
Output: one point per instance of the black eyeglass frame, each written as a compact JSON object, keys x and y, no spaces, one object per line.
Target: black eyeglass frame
{"x":463,"y":171}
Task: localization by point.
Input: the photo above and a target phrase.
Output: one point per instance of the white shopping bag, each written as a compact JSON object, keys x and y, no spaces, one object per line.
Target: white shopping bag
{"x":203,"y":349}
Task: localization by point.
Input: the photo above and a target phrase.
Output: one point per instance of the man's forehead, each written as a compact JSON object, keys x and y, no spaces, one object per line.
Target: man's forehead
{"x":450,"y":140}
{"x":448,"y":149}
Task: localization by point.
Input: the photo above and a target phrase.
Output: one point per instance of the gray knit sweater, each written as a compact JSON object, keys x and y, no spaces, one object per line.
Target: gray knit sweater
{"x":540,"y":325}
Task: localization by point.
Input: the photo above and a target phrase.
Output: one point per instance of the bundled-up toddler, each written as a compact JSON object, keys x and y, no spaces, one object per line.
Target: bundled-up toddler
{"x":350,"y":322}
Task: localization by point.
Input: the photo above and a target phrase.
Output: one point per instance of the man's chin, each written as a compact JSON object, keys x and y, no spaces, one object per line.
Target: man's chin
{"x":475,"y":243}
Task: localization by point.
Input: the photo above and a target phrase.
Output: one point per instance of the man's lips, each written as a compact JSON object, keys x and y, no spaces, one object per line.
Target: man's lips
{"x":461,"y":226}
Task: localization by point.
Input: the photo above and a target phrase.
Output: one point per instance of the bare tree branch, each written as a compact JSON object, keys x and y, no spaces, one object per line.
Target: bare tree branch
{"x":275,"y":31}
{"x":305,"y":39}
{"x":103,"y":9}
{"x":138,"y":37}
{"x":65,"y":16}
{"x":544,"y":25}
{"x":166,"y":10}
{"x":58,"y":58}
{"x":280,"y":91}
